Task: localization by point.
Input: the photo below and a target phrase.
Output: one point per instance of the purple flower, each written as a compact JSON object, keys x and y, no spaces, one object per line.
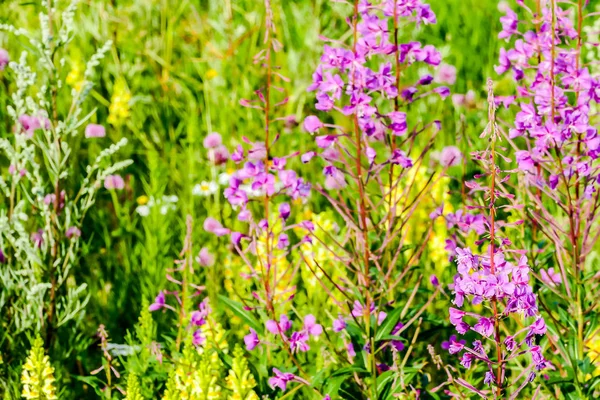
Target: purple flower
{"x":298,"y":342}
{"x":456,"y":316}
{"x":204,"y":258}
{"x":73,"y":232}
{"x":484,"y":327}
{"x":538,"y":327}
{"x":159,"y":302}
{"x":489,"y":378}
{"x":446,"y":74}
{"x":399,"y":158}
{"x":283,"y":241}
{"x":398,"y":123}
{"x":311,"y":327}
{"x":339,"y":324}
{"x":334,"y":178}
{"x":284,"y":325}
{"x":455,"y":347}
{"x":4,"y":59}
{"x":38,"y":238}
{"x":198,"y":318}
{"x":281,"y":379}
{"x":550,"y":277}
{"x":211,"y":225}
{"x":510,"y":343}
{"x":114,"y":182}
{"x":198,"y":338}
{"x":94,"y":131}
{"x":509,"y":24}
{"x":525,"y":161}
{"x":446,"y":344}
{"x":251,"y":340}
{"x":212,"y":141}
{"x":284,"y":211}
{"x":466,"y":360}
{"x":450,"y":156}
{"x":312,"y":124}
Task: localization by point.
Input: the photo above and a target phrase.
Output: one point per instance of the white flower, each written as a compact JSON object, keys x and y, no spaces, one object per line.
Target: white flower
{"x":205,"y":188}
{"x":224,"y":178}
{"x":144,"y":211}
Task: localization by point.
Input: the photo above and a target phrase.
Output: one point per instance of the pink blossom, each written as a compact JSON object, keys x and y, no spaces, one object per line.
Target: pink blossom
{"x":94,"y":131}
{"x":114,"y":182}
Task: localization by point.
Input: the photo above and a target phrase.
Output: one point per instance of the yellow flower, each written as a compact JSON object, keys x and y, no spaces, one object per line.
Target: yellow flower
{"x":119,"y":109}
{"x":38,"y":375}
{"x":593,"y":345}
{"x":75,"y":77}
{"x":211,"y":74}
{"x":142,"y":200}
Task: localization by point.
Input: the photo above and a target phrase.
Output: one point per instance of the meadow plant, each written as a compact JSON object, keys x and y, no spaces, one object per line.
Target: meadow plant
{"x":45,"y":196}
{"x":556,"y":145}
{"x":370,"y":147}
{"x":497,"y":282}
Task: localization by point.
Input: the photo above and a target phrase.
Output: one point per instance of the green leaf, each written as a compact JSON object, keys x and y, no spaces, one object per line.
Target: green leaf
{"x":238,"y":310}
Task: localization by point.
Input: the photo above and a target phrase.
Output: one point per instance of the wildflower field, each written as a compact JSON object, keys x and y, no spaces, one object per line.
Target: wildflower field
{"x":299,"y":199}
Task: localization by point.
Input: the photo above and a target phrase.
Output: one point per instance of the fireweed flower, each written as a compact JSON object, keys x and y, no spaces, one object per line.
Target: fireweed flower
{"x":556,"y":137}
{"x":251,"y":340}
{"x":495,"y":279}
{"x":281,"y":379}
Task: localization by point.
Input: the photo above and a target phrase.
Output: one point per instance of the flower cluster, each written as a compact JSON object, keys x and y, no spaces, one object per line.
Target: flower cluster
{"x":494,"y":281}
{"x":557,"y":147}
{"x":345,"y":82}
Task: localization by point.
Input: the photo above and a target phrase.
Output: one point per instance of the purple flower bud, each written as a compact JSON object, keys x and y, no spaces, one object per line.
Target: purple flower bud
{"x":489,"y":378}
{"x":284,"y":211}
{"x":283,"y":241}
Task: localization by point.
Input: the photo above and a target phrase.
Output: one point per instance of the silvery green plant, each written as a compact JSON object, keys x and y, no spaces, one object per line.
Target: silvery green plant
{"x":44,"y":194}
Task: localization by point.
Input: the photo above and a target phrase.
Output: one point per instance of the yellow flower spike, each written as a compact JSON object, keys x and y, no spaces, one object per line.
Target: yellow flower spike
{"x":119,"y":109}
{"x":38,"y":375}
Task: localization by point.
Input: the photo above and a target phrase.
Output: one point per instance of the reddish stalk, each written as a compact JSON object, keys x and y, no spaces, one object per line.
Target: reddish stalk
{"x":492,"y":119}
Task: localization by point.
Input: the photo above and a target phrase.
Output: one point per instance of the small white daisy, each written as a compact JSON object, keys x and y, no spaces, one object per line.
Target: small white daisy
{"x":205,"y":188}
